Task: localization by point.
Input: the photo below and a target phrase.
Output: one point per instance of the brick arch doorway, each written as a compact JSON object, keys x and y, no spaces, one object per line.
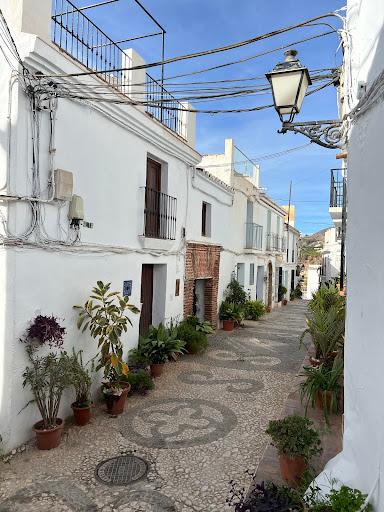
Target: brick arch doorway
{"x":270,"y":288}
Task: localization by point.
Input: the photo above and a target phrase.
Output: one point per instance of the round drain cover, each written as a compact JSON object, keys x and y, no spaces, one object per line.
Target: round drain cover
{"x":122,"y":470}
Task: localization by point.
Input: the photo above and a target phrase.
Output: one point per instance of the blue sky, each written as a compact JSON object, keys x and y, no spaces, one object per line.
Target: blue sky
{"x":197,"y":25}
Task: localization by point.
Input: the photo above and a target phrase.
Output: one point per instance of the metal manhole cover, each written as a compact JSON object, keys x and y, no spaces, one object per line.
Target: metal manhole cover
{"x":122,"y":470}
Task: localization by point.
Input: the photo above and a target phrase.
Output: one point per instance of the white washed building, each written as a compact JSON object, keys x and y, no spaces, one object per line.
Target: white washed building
{"x":257,"y":254}
{"x":361,"y":462}
{"x":331,"y":256}
{"x":134,"y":175}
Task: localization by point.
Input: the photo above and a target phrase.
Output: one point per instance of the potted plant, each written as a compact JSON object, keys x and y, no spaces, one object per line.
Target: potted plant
{"x":82,"y":382}
{"x":322,"y":387}
{"x":107,"y":320}
{"x":196,"y":340}
{"x":298,"y":293}
{"x":254,"y":309}
{"x":344,"y":499}
{"x":228,"y":315}
{"x":292,"y":295}
{"x":296,"y":443}
{"x":139,"y":377}
{"x":205,"y":327}
{"x":157,"y":346}
{"x":268,"y":309}
{"x":284,"y":291}
{"x":239,"y":312}
{"x":47,"y":377}
{"x":326,"y":329}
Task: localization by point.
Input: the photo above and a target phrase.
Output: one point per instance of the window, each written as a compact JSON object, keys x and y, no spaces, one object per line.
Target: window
{"x":252,"y":273}
{"x":206,"y":219}
{"x":293,"y":255}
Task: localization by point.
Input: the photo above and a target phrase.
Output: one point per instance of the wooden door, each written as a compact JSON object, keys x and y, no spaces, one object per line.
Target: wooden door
{"x":153,"y":199}
{"x":146,"y":299}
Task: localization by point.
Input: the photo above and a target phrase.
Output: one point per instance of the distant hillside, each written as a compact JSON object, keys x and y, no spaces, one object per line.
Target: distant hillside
{"x":311,"y":246}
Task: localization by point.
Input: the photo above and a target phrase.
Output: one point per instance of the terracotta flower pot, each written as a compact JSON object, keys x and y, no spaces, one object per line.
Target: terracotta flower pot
{"x":157,"y":369}
{"x":48,"y":439}
{"x":285,"y":302}
{"x":319,"y":400}
{"x":292,"y":469}
{"x":82,"y":414}
{"x":292,"y":298}
{"x":115,"y":404}
{"x":228,"y":325}
{"x":268,"y":309}
{"x":314,"y":362}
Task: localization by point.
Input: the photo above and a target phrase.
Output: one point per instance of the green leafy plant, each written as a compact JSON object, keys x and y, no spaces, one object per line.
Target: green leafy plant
{"x":228,"y":311}
{"x":239,"y":312}
{"x":294,"y":437}
{"x":107,"y":320}
{"x":284,"y":290}
{"x":139,"y":377}
{"x":324,"y":379}
{"x":81,"y":380}
{"x":204,"y":327}
{"x":254,"y":309}
{"x":343,"y":500}
{"x":158,"y":345}
{"x":325,"y":299}
{"x":235,"y":293}
{"x":326,"y":329}
{"x":196,"y":341}
{"x":292,"y":294}
{"x":298,"y":292}
{"x":47,"y":377}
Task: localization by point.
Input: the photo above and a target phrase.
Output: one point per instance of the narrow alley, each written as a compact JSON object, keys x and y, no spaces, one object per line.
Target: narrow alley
{"x":202,"y":426}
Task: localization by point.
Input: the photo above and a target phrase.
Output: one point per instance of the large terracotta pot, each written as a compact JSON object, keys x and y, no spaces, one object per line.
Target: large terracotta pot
{"x":285,"y":302}
{"x":115,"y":404}
{"x":48,"y":439}
{"x":292,"y":469}
{"x":82,"y":415}
{"x":319,"y":400}
{"x":228,"y":325}
{"x":157,"y":369}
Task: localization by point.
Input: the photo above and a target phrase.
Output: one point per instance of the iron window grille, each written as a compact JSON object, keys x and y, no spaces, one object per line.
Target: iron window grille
{"x":338,"y":189}
{"x":159,"y":215}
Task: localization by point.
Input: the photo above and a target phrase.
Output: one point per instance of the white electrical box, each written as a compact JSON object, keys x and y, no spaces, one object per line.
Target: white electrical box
{"x":63,"y":185}
{"x":76,"y":208}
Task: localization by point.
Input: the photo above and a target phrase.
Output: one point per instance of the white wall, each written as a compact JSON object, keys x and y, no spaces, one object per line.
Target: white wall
{"x":362,"y":460}
{"x":106,"y":149}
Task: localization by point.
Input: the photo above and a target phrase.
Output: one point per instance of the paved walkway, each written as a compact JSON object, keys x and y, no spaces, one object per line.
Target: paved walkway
{"x":202,"y":426}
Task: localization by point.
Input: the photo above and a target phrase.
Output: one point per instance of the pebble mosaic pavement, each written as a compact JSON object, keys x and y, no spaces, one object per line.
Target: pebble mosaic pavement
{"x":202,"y":426}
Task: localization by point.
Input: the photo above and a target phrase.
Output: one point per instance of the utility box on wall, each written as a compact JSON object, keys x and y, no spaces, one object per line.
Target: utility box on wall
{"x":63,"y":185}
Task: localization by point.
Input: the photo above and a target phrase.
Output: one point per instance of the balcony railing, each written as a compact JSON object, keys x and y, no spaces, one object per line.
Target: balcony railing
{"x":338,"y":189}
{"x":159,"y":215}
{"x":75,"y":33}
{"x":276,"y":242}
{"x":253,"y":236}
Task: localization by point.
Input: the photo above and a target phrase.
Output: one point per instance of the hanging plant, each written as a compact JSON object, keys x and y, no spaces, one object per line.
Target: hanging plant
{"x":46,"y":330}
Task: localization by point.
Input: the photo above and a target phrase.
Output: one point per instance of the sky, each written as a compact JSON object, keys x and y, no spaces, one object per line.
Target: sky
{"x":197,"y":25}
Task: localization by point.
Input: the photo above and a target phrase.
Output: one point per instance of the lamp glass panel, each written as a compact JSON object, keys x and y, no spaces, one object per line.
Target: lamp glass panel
{"x":303,"y":90}
{"x":285,"y":86}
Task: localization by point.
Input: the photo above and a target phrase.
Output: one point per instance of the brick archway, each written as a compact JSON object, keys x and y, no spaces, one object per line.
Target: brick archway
{"x":202,"y":262}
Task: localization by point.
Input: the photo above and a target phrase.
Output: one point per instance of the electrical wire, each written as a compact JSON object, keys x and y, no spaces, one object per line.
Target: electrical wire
{"x":202,"y":53}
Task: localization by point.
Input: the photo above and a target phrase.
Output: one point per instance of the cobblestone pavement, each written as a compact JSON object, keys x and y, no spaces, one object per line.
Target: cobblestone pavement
{"x":202,"y":426}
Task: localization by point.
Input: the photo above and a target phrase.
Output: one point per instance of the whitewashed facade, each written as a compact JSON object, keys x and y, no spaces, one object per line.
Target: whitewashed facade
{"x":257,"y":255}
{"x":361,"y":463}
{"x":331,"y":256}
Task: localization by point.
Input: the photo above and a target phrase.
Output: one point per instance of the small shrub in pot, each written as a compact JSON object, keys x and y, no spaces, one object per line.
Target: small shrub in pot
{"x":82,"y":382}
{"x":296,"y":443}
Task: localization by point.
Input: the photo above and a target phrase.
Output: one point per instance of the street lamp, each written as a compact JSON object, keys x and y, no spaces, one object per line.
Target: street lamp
{"x":289,"y":82}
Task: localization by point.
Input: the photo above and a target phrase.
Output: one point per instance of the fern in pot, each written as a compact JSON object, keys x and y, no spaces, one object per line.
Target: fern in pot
{"x":105,"y":315}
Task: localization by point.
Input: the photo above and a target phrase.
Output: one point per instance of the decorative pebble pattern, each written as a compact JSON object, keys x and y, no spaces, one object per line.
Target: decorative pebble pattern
{"x":202,"y":426}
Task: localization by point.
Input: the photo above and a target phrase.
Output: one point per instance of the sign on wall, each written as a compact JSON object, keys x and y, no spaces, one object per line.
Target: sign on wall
{"x":127,"y":288}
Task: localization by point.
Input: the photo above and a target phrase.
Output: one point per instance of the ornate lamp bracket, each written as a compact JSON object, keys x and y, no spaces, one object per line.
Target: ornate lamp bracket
{"x":325,"y":133}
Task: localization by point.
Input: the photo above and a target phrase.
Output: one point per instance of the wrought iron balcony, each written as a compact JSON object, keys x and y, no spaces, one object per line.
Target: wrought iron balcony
{"x":159,"y":215}
{"x":84,"y":41}
{"x":276,"y":242}
{"x":338,"y":189}
{"x":253,"y":236}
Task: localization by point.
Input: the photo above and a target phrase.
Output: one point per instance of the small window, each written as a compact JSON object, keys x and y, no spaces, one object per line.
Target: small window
{"x":252,"y":273}
{"x":206,"y":219}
